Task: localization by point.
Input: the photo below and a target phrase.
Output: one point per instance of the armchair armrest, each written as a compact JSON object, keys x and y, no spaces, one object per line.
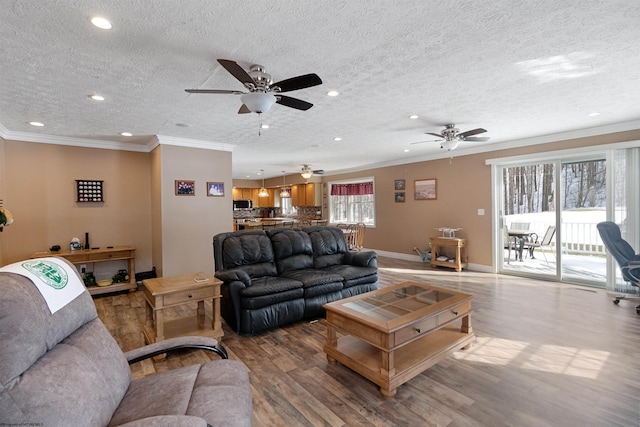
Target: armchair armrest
{"x":167,"y":421}
{"x":633,"y":269}
{"x":178,"y":343}
{"x":234,"y":274}
{"x":361,"y":259}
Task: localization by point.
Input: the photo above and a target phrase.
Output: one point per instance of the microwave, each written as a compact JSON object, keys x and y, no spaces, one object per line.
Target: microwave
{"x":242,"y":204}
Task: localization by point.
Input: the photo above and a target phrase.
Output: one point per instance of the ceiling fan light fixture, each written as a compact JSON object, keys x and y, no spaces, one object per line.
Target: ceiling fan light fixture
{"x":258,"y":102}
{"x":306,"y":172}
{"x":450,"y":145}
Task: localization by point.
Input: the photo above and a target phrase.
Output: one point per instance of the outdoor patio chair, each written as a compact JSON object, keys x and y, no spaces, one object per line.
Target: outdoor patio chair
{"x":624,"y":255}
{"x":546,"y":241}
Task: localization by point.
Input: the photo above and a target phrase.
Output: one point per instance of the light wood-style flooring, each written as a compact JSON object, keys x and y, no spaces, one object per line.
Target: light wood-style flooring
{"x":546,"y":354}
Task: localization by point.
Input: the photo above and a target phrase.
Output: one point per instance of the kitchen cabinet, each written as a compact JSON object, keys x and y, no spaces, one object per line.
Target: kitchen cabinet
{"x":241,"y":193}
{"x":303,"y":194}
{"x":262,"y":202}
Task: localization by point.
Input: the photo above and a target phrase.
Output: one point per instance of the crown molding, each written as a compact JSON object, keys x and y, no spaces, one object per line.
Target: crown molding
{"x":153,"y":142}
{"x":186,"y":142}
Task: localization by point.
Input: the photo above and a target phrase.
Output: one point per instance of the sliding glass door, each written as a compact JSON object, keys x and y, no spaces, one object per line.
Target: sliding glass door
{"x":548,"y":212}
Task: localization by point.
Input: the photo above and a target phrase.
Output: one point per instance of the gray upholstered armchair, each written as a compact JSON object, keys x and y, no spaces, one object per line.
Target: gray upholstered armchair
{"x":65,"y":369}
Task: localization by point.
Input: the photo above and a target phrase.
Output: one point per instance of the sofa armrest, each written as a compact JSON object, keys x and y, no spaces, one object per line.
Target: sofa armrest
{"x":361,"y":259}
{"x":178,"y":343}
{"x":234,"y":274}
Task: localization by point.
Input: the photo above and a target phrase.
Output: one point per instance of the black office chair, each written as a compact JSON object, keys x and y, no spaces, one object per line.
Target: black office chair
{"x":624,"y":255}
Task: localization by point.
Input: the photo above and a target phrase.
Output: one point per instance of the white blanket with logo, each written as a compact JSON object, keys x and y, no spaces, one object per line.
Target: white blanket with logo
{"x":58,"y":283}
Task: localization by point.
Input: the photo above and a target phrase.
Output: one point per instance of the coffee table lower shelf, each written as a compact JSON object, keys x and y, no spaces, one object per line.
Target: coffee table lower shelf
{"x":409,"y":360}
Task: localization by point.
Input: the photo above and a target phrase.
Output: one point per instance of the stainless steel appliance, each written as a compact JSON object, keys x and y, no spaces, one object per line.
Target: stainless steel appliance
{"x":242,"y":204}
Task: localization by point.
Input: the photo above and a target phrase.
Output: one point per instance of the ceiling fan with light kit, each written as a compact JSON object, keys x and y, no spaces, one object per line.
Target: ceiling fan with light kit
{"x":262,"y":92}
{"x":306,"y":172}
{"x":451,"y":137}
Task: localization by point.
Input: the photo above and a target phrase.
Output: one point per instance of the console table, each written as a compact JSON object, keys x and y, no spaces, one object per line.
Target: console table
{"x":115,"y":253}
{"x":460,"y":247}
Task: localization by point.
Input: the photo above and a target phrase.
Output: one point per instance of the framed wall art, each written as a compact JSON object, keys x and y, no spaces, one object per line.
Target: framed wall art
{"x":215,"y":189}
{"x":185,"y":188}
{"x":399,"y":197}
{"x":399,"y":185}
{"x":426,"y":189}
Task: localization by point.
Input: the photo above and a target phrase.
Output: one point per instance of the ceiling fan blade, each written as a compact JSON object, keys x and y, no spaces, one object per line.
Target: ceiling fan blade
{"x":477,"y":138}
{"x":471,"y":132}
{"x":434,"y":134}
{"x":233,"y":92}
{"x":236,"y":71}
{"x":296,"y":103}
{"x":244,"y":109}
{"x":300,"y":82}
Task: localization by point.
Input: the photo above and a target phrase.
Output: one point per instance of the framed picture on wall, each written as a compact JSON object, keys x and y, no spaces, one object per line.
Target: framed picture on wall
{"x":399,"y":185}
{"x":215,"y":189}
{"x":399,"y":196}
{"x":185,"y":188}
{"x":426,"y":189}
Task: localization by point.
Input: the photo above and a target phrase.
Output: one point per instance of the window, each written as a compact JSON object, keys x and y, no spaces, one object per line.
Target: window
{"x":352,"y":201}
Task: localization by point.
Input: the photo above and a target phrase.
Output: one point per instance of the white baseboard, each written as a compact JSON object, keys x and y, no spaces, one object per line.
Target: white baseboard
{"x":409,"y":257}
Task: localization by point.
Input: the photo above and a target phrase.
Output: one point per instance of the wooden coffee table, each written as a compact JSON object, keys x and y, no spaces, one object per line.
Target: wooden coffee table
{"x":165,"y":292}
{"x":393,"y":334}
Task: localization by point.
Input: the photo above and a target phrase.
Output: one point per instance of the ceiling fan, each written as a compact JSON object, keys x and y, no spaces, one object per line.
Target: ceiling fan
{"x":262,"y":92}
{"x":450,"y":137}
{"x":307,"y":172}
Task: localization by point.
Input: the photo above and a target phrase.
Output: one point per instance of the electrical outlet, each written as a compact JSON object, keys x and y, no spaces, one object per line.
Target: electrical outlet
{"x":83,"y":268}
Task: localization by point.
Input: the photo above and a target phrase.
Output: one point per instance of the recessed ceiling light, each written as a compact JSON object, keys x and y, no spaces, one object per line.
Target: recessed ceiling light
{"x":36,"y":124}
{"x":264,"y":126}
{"x":126,"y":134}
{"x":333,"y":93}
{"x":413,"y":116}
{"x":337,"y":138}
{"x":97,"y":97}
{"x":406,"y":150}
{"x":594,"y":114}
{"x":101,"y":22}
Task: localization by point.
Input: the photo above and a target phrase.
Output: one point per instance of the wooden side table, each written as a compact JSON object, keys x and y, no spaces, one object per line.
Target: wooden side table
{"x":460,"y":247}
{"x":165,"y":292}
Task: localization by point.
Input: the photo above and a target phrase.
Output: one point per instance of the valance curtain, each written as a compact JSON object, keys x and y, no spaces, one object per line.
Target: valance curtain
{"x":356,"y":189}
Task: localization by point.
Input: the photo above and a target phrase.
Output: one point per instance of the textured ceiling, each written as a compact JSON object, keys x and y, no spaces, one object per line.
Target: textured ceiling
{"x":518,"y":69}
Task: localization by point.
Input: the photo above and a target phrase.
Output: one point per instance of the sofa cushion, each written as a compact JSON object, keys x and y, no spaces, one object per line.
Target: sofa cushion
{"x":292,"y":249}
{"x":329,"y":246}
{"x":311,"y":278}
{"x":252,"y":251}
{"x":268,"y":290}
{"x":355,"y":275}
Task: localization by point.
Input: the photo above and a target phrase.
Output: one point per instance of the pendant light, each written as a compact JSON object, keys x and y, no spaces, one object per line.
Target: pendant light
{"x":284,"y":194}
{"x":263,"y":191}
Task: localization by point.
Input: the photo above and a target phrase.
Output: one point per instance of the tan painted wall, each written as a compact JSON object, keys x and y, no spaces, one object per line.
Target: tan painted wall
{"x":40,"y":191}
{"x":190,"y":222}
{"x":464,"y":186}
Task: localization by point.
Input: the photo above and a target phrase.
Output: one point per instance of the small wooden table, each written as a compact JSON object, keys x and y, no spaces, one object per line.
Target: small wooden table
{"x":165,"y":292}
{"x":393,"y":334}
{"x":460,"y":247}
